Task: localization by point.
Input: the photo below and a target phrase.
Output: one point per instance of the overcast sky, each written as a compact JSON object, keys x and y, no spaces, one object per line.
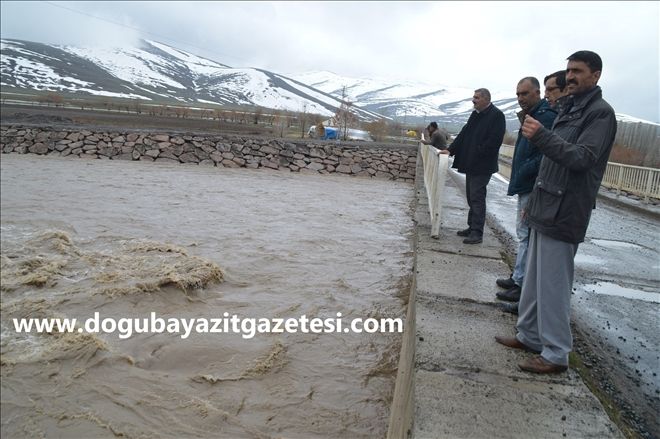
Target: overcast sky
{"x":467,"y":44}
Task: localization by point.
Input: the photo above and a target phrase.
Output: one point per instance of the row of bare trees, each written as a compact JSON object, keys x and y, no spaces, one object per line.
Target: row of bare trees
{"x":281,"y":120}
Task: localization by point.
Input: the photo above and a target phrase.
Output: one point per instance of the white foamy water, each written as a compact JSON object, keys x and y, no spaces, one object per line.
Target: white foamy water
{"x":128,"y":238}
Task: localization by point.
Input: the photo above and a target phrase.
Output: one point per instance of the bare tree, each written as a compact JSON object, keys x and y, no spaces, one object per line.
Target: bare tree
{"x":378,"y":129}
{"x":256,"y":115}
{"x":280,"y":122}
{"x":303,"y":118}
{"x":51,"y":98}
{"x":182,"y":112}
{"x":344,"y":117}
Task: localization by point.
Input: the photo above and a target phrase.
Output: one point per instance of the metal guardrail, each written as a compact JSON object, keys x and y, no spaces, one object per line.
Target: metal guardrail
{"x":435,"y":172}
{"x":644,"y":182}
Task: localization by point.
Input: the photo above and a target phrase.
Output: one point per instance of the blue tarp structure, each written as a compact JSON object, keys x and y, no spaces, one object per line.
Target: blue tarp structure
{"x":330,"y":133}
{"x":334,"y":133}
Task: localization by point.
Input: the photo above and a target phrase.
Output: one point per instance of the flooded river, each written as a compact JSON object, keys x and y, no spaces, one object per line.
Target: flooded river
{"x":126,"y":239}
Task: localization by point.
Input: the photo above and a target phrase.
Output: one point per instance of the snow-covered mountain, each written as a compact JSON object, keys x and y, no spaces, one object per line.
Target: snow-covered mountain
{"x":156,"y":71}
{"x":417,"y":101}
{"x":406,"y":100}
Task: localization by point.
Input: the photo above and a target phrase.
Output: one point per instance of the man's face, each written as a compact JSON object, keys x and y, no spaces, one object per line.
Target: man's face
{"x":528,"y":95}
{"x":480,"y":102}
{"x":579,"y":78}
{"x":552,"y":91}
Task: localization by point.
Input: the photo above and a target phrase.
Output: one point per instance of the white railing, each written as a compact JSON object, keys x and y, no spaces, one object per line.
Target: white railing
{"x":637,"y":180}
{"x":644,"y":182}
{"x":507,"y":150}
{"x":435,"y":172}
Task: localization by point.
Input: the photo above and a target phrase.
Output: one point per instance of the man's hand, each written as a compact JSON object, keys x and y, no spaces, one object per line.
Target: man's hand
{"x":530,"y":127}
{"x":443,"y":151}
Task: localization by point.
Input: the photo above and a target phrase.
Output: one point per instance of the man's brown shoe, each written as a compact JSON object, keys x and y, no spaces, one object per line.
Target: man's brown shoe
{"x":539,"y":364}
{"x":513,"y":342}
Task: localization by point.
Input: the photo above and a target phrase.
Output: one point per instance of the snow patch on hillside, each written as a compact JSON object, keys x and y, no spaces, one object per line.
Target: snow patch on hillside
{"x":196,"y":64}
{"x":131,"y":65}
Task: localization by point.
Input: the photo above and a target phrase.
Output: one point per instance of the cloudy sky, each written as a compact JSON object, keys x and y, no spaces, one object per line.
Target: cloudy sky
{"x":467,"y":44}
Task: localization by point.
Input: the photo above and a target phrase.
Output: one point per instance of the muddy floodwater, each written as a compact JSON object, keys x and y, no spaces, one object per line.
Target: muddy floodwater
{"x":125,"y":239}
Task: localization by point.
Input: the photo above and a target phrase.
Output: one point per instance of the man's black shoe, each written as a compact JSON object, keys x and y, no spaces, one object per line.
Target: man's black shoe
{"x":465,"y":232}
{"x":511,"y":308}
{"x":505,"y":283}
{"x":474,"y":238}
{"x":510,"y":295}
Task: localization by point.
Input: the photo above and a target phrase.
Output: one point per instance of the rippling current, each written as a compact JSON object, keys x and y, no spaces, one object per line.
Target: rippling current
{"x":127,"y":238}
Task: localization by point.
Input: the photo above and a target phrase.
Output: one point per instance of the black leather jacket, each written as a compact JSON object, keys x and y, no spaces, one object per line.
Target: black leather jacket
{"x":575,"y":156}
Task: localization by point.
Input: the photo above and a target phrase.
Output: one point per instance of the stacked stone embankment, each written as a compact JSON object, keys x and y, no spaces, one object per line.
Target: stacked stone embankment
{"x":230,"y":151}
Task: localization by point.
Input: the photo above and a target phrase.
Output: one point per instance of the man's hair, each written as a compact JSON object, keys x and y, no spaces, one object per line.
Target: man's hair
{"x":591,"y":59}
{"x":433,"y":125}
{"x":560,"y":78}
{"x":533,"y":80}
{"x":484,"y":93}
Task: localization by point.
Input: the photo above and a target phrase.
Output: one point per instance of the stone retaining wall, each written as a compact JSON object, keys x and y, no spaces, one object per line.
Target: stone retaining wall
{"x":387,"y":162}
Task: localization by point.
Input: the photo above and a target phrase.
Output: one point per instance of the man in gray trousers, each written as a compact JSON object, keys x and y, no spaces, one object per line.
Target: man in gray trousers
{"x":575,"y":156}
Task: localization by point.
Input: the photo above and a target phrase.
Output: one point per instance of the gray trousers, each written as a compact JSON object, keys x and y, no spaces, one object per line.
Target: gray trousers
{"x":475,"y":191}
{"x":544,"y":320}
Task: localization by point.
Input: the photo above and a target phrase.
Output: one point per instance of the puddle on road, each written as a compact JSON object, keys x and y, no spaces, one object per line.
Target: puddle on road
{"x":581,"y":259}
{"x":611,"y":289}
{"x":608,"y":243}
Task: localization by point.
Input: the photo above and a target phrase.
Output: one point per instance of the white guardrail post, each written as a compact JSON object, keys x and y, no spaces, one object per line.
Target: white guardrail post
{"x":435,"y":172}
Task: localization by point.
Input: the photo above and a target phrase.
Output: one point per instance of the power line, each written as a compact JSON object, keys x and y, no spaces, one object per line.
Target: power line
{"x":141,"y":31}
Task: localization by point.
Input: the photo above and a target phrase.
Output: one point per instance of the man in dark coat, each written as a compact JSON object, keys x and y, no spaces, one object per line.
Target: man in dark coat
{"x":476,"y":150}
{"x":575,"y":156}
{"x":524,"y":168}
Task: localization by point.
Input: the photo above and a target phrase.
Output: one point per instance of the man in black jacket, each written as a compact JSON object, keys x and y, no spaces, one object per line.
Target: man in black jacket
{"x":476,"y":150}
{"x":575,"y":156}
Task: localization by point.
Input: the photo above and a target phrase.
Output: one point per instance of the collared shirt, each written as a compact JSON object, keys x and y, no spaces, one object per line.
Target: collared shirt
{"x":489,"y":104}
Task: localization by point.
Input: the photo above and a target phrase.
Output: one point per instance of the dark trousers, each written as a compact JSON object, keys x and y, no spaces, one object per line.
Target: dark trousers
{"x":475,"y":191}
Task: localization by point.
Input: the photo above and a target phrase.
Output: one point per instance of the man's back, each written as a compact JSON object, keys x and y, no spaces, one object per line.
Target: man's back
{"x":439,"y":139}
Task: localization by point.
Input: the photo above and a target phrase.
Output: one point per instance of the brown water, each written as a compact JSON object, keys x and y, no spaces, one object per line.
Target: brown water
{"x":126,"y":238}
